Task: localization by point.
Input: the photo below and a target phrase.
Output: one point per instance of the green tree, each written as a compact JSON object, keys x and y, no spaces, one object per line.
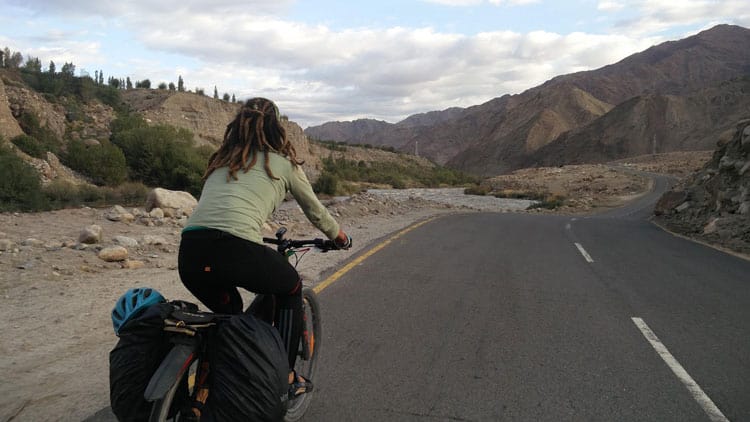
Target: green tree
{"x":225,"y":97}
{"x":143,"y":84}
{"x":51,"y":69}
{"x":101,"y":77}
{"x":233,"y":99}
{"x":33,"y":64}
{"x":128,"y":83}
{"x":171,"y":86}
{"x":68,"y":70}
{"x":216,"y":93}
{"x":162,"y":85}
{"x":14,"y":60}
{"x":180,"y":84}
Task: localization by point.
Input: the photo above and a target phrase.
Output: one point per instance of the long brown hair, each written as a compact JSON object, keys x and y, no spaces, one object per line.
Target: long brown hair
{"x":256,"y":128}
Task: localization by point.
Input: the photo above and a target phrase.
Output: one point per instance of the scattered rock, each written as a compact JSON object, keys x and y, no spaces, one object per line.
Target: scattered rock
{"x":176,"y":200}
{"x":128,"y":242}
{"x":154,"y":240}
{"x":91,"y":234}
{"x":36,"y":243}
{"x":6,"y":245}
{"x":156,"y":213}
{"x":113,"y":254}
{"x":118,"y":213}
{"x":131,"y":264}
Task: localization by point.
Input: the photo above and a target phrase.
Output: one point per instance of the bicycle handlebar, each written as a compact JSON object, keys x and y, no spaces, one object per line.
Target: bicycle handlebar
{"x":324,"y":245}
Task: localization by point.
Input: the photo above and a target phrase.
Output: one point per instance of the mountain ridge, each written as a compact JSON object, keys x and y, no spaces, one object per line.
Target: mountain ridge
{"x":498,"y":131}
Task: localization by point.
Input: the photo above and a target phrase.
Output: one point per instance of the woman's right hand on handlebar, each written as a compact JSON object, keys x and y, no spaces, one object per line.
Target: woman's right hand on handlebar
{"x":343,"y":240}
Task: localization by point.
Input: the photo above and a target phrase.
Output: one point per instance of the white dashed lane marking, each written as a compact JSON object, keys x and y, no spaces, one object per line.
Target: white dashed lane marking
{"x":584,"y":253}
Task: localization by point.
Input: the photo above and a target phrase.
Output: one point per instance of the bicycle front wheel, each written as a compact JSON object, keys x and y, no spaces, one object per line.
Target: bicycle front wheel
{"x":308,"y":352}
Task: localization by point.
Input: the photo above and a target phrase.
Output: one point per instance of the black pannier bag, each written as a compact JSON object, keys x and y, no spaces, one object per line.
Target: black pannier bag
{"x":142,"y":346}
{"x":249,"y":372}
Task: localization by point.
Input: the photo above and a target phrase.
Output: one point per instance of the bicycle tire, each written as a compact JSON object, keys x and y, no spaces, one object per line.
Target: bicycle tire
{"x":307,"y":365}
{"x":161,"y":409}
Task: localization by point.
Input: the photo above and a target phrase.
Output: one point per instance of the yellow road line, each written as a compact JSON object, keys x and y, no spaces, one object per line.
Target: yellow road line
{"x":345,"y":269}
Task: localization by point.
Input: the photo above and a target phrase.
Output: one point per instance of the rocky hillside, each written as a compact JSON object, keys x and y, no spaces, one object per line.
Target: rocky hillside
{"x":663,"y":93}
{"x":205,"y":117}
{"x":714,"y":203}
{"x":651,"y":124}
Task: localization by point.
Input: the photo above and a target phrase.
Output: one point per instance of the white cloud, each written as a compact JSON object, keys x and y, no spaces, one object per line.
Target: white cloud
{"x":609,"y":6}
{"x":317,"y":73}
{"x":653,"y":16}
{"x":463,"y":3}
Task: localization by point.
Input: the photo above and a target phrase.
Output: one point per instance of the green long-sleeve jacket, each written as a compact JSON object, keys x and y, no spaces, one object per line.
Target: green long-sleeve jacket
{"x":242,"y":206}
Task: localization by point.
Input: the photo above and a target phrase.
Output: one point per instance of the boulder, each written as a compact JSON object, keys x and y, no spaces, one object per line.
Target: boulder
{"x":125,"y":241}
{"x":90,"y":234}
{"x":176,"y":200}
{"x":670,"y":201}
{"x":113,"y":254}
{"x":118,"y":213}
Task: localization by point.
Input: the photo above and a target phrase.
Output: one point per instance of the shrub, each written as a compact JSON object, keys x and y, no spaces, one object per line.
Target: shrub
{"x":19,"y":184}
{"x":104,"y":164}
{"x":161,"y":155}
{"x":30,"y":145}
{"x":327,"y":184}
{"x":62,"y":194}
{"x":550,"y":202}
{"x":47,"y":140}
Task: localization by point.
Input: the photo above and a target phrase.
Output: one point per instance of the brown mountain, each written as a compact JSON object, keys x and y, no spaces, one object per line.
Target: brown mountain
{"x":674,"y":83}
{"x":649,"y":124}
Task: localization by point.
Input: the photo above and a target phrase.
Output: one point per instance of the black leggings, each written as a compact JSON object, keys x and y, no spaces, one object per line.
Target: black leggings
{"x":213,"y":263}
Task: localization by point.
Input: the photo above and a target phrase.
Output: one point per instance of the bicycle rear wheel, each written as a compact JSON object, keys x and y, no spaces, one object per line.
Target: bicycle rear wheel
{"x":174,"y":405}
{"x":308,"y":352}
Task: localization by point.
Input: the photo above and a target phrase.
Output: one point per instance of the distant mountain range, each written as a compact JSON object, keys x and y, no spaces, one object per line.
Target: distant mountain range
{"x":679,"y":95}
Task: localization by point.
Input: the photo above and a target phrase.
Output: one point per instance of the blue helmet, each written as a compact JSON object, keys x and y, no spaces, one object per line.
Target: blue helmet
{"x":132,"y":303}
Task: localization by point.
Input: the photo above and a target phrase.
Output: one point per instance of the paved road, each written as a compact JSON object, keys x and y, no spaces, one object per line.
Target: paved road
{"x":487,"y":317}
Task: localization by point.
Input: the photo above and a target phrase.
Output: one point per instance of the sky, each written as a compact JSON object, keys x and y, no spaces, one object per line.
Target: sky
{"x":325,"y":60}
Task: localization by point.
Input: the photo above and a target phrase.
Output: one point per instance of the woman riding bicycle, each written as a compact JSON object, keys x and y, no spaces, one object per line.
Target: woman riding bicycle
{"x":221,"y":247}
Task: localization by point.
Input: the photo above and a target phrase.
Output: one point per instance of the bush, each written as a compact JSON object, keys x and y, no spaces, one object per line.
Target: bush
{"x":395,"y":174}
{"x":30,"y":145}
{"x":46,"y":139}
{"x":105,"y":164}
{"x":327,"y":184}
{"x":61,"y":194}
{"x":19,"y":184}
{"x":161,"y":155}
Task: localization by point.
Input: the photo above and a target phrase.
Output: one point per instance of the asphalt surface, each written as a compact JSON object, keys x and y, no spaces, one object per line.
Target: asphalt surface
{"x":501,"y":317}
{"x":517,"y":317}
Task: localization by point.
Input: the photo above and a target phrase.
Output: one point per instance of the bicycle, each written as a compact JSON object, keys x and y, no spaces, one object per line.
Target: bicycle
{"x":179,"y":380}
